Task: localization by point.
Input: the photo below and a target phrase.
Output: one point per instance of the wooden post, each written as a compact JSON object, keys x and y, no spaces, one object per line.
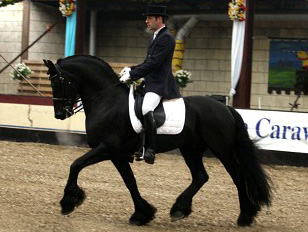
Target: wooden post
{"x":243,"y":91}
{"x":25,"y":28}
{"x":80,"y":27}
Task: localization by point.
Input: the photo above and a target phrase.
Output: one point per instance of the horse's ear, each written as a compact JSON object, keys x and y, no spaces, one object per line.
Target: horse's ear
{"x":46,"y":63}
{"x":50,"y":66}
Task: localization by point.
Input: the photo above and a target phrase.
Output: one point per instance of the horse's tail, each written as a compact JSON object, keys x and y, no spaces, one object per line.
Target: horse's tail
{"x":256,"y":180}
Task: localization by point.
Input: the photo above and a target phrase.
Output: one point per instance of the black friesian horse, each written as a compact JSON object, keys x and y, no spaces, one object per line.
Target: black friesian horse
{"x":209,"y":124}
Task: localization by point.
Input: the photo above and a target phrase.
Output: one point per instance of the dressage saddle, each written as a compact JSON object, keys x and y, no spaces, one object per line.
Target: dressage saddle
{"x":159,"y":112}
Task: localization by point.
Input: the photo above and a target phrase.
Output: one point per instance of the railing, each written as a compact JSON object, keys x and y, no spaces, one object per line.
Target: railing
{"x":38,"y":78}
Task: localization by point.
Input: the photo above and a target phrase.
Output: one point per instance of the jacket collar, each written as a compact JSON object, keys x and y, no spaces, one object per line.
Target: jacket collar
{"x":157,"y":36}
{"x":158,"y":30}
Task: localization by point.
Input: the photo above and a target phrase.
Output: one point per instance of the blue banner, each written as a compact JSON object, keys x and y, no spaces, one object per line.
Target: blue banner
{"x":70,"y":34}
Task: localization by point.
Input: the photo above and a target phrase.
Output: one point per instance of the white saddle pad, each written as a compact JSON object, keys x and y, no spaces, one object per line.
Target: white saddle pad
{"x":175,"y":115}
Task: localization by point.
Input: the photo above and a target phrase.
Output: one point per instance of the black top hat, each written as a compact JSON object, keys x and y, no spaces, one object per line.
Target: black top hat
{"x":154,"y":10}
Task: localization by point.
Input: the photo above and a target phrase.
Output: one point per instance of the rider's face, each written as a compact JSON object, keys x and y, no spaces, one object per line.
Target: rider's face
{"x":153,"y":23}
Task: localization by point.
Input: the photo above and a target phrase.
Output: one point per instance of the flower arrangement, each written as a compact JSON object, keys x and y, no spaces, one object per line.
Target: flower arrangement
{"x":67,"y":7}
{"x":237,"y":10}
{"x":182,"y":78}
{"x":20,"y":68}
{"x":8,"y":2}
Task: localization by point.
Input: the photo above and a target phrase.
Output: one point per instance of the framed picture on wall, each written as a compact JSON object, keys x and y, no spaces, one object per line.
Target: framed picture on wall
{"x":286,"y":56}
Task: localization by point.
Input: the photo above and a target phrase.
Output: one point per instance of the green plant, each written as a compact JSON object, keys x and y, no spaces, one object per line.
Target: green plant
{"x":20,"y":68}
{"x":8,"y":2}
{"x":182,"y":78}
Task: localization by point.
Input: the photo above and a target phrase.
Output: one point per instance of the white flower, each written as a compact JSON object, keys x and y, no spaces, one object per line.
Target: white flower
{"x":182,"y":77}
{"x":20,"y":70}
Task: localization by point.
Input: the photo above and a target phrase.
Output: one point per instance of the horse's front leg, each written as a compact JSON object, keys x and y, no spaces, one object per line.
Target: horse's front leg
{"x":73,"y":195}
{"x":144,"y":212}
{"x":182,"y":207}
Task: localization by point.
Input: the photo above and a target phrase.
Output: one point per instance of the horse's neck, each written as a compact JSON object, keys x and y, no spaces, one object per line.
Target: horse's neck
{"x":104,"y":99}
{"x":92,"y":74}
{"x":97,"y":82}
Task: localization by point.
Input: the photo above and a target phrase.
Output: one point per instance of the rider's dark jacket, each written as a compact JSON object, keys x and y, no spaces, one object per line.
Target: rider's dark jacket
{"x":157,"y":67}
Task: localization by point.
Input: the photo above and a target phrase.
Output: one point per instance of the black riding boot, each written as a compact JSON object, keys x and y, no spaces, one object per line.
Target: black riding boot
{"x":150,"y":136}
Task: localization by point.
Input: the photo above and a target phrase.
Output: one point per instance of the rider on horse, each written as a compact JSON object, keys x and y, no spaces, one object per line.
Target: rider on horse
{"x":157,"y":72}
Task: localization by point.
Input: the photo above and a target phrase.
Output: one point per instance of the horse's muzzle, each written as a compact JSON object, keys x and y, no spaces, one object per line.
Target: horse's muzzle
{"x":60,"y":115}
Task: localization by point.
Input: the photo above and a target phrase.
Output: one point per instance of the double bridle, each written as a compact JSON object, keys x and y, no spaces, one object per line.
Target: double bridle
{"x":70,"y":101}
{"x":66,"y":84}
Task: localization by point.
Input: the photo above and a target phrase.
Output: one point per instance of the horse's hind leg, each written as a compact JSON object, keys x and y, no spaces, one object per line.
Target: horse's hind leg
{"x":182,"y":206}
{"x":144,"y":212}
{"x":248,"y":209}
{"x":73,"y":195}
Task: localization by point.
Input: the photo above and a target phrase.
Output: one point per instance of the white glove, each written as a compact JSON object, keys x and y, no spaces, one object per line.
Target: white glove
{"x":125,"y":77}
{"x":125,"y":70}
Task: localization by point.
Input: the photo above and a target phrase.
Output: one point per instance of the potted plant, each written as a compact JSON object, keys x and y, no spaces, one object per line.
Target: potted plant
{"x":19,"y":71}
{"x":4,"y":3}
{"x":182,"y":78}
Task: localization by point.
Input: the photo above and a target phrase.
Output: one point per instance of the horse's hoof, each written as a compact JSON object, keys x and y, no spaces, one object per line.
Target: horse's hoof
{"x":138,"y":219}
{"x":149,"y":156}
{"x":67,"y":209}
{"x":81,"y":197}
{"x":245,"y":220}
{"x":66,"y":212}
{"x":71,"y":199}
{"x":136,"y":222}
{"x":180,"y":210}
{"x":177,"y":215}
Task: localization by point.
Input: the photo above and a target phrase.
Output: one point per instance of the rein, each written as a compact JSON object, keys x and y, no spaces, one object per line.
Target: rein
{"x":80,"y":107}
{"x":103,"y":90}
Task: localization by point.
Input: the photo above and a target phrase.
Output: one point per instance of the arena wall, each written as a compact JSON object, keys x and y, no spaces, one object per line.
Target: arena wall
{"x":10,"y":43}
{"x":122,"y":41}
{"x":51,"y":46}
{"x":263,"y":31}
{"x":207,"y":50}
{"x":36,"y":123}
{"x":208,"y":56}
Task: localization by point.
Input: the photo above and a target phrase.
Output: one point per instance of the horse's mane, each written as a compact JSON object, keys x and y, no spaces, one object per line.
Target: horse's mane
{"x":104,"y":64}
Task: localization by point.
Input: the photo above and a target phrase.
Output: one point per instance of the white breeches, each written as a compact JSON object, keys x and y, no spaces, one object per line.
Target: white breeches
{"x":150,"y":102}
